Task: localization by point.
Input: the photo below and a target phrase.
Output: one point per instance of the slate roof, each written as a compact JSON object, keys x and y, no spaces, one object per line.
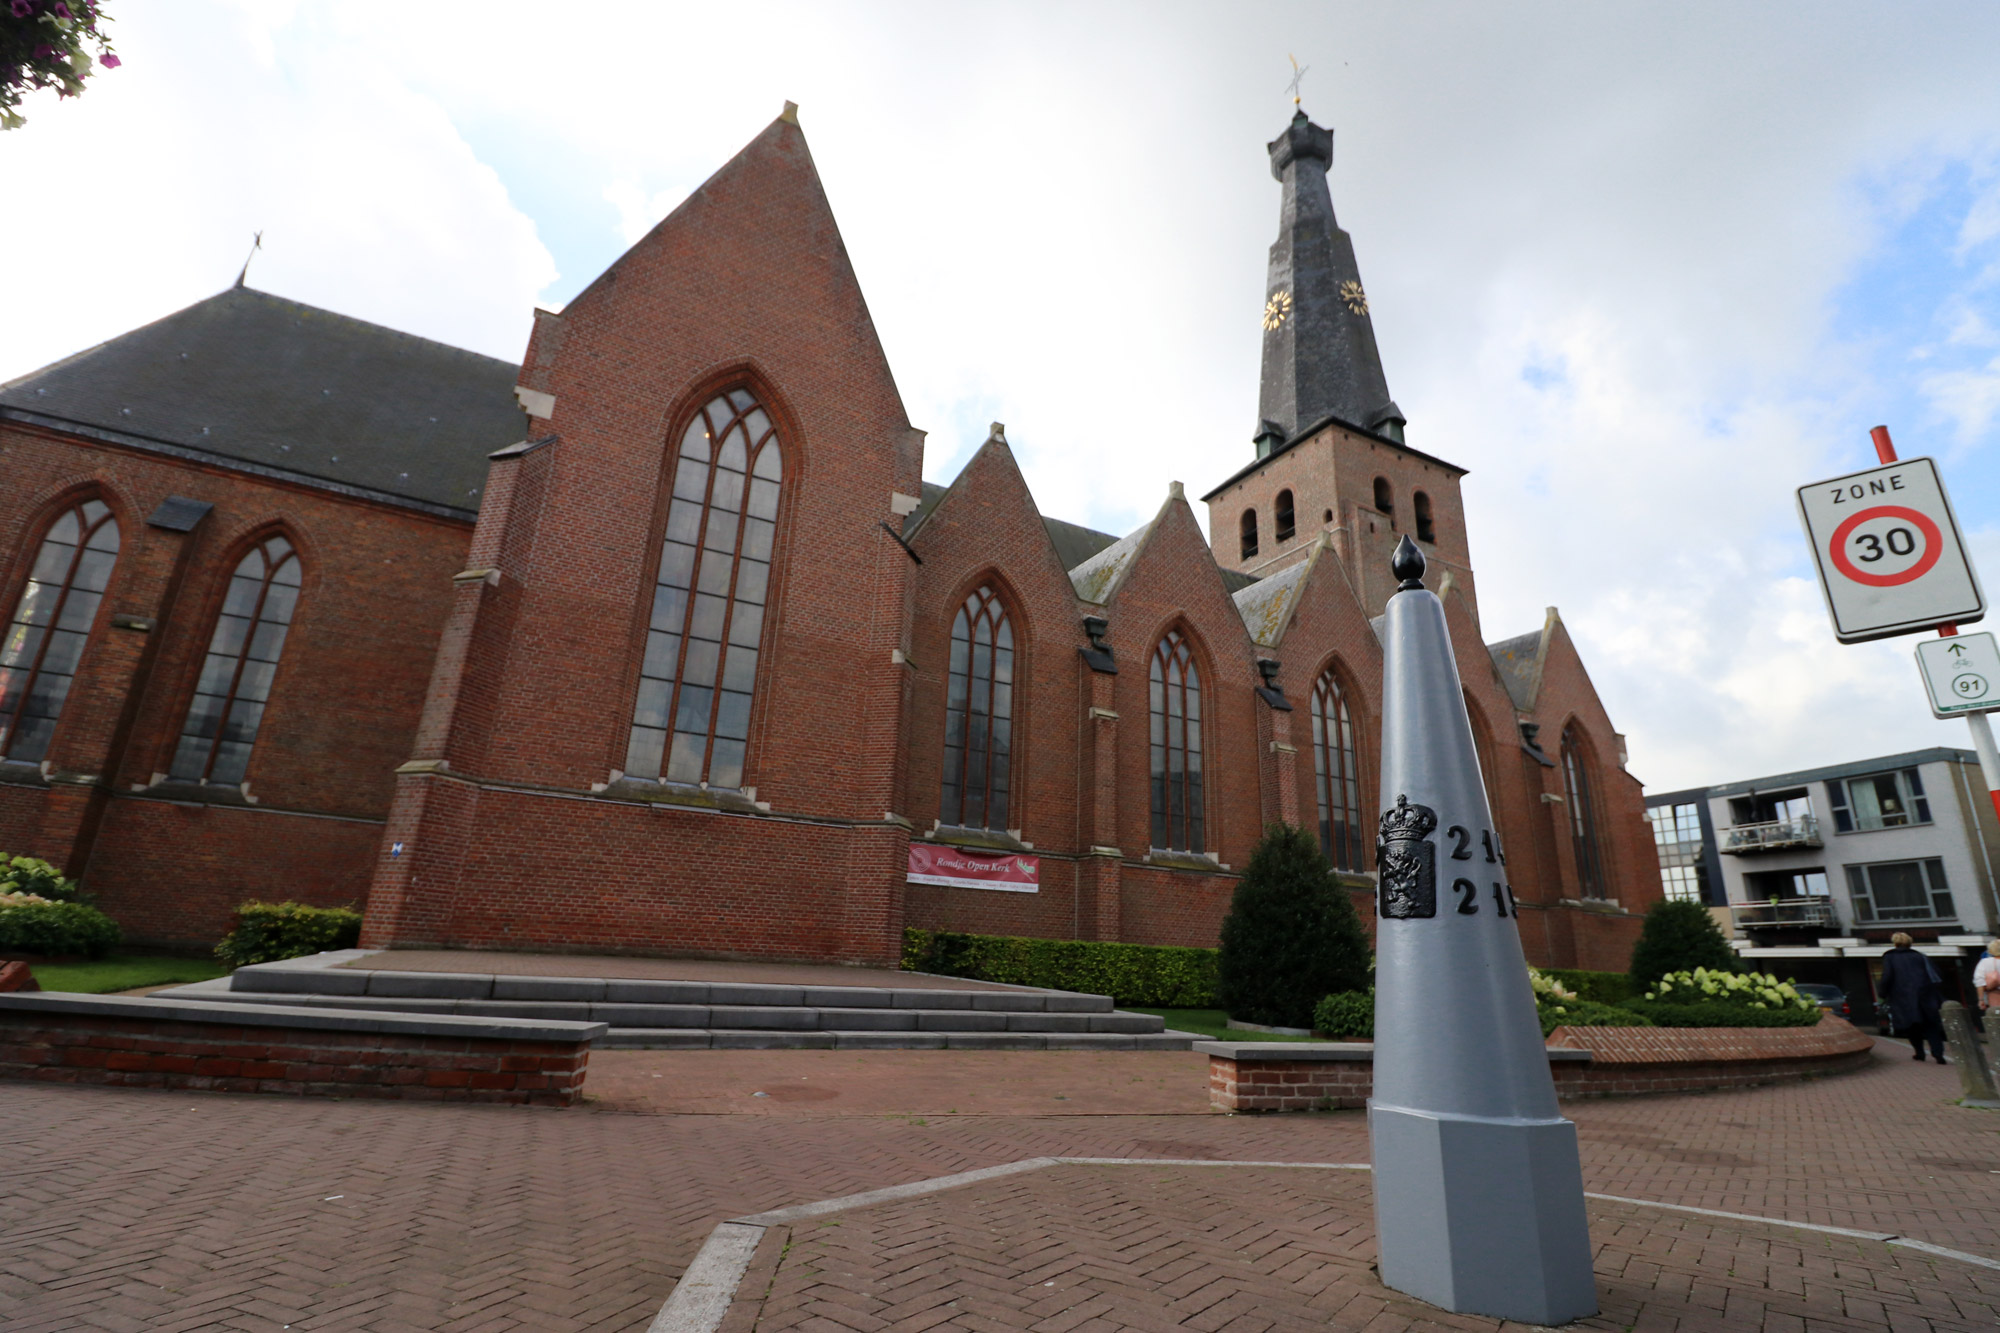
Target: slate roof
{"x":1266,"y":604}
{"x":291,"y":390}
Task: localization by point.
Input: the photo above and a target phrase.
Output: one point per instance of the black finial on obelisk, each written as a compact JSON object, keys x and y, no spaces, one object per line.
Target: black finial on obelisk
{"x":1407,"y":564}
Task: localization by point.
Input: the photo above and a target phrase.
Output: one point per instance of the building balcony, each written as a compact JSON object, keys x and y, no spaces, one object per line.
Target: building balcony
{"x":1783,"y":913}
{"x":1779,"y":835}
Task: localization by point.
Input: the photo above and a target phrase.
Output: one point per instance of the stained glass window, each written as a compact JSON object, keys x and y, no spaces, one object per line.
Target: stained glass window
{"x":979,"y":713}
{"x":228,"y":705}
{"x":1582,"y":816}
{"x":691,"y":722}
{"x":51,"y":624}
{"x":1337,"y":776}
{"x":1176,"y":743}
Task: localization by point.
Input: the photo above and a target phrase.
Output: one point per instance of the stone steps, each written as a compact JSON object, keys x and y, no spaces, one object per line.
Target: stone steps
{"x":695,"y":1015}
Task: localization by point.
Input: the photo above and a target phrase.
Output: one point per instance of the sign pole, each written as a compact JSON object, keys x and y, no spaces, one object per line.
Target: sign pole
{"x":1982,"y":730}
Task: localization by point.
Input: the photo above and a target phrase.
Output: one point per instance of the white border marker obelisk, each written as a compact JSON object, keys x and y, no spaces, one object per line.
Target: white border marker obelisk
{"x":1478,"y":1189}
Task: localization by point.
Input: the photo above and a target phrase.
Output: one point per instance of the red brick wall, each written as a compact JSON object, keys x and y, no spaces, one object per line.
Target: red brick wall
{"x":213,"y":1057}
{"x":343,"y":708}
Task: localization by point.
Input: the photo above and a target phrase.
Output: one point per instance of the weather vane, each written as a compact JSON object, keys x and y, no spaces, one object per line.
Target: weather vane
{"x":255,"y":245}
{"x":1298,"y":73}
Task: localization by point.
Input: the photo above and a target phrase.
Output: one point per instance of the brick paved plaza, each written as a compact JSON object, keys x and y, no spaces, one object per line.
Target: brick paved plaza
{"x":145,"y":1210}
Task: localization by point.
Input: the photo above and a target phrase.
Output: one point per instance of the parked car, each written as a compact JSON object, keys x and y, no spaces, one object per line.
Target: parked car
{"x":1830,"y":998}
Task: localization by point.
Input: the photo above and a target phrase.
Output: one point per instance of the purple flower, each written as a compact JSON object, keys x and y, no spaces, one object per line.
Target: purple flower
{"x":22,"y":9}
{"x":43,"y":51}
{"x":61,"y":10}
{"x":111,"y":61}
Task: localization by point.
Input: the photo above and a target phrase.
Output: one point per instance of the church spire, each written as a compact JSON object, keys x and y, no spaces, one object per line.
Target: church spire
{"x":1320,"y":360}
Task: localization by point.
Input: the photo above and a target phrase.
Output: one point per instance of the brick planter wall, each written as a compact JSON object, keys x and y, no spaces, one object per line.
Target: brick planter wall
{"x":1585,"y":1062}
{"x":132,"y":1042}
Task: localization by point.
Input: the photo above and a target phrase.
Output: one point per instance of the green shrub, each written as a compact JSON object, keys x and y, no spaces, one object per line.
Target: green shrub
{"x":1669,"y":1015}
{"x":1600,"y":987}
{"x":1150,"y":974}
{"x":1586,"y":1014}
{"x":56,"y":929}
{"x":1292,"y":935}
{"x":1349,"y":1015}
{"x":1679,"y":936}
{"x":31,"y":875}
{"x":267,"y":932}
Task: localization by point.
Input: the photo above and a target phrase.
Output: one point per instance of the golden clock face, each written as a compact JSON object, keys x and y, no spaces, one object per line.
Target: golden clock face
{"x":1357,"y":300}
{"x":1277,"y":309}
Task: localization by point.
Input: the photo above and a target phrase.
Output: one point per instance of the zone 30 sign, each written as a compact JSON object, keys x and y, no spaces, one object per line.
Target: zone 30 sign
{"x":1889,"y":553}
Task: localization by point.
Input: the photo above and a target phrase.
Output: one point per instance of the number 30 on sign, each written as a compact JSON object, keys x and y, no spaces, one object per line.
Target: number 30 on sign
{"x":1888,"y":551}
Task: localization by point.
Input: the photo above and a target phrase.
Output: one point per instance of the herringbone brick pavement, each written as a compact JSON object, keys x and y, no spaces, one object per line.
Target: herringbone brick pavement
{"x":150,"y":1210}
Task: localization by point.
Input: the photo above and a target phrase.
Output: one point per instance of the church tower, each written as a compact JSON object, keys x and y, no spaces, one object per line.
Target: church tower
{"x":1331,"y":460}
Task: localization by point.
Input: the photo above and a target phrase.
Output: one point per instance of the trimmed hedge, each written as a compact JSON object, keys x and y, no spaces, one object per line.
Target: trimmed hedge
{"x":57,"y":930}
{"x":1679,"y":936}
{"x":1349,"y":1015}
{"x":1665,"y":1014}
{"x":1161,"y":976}
{"x":1587,"y":1014}
{"x":268,"y":932}
{"x":1600,"y":987}
{"x":1292,"y":935}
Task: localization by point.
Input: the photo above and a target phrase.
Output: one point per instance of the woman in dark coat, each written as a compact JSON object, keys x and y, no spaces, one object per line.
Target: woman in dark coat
{"x":1913,"y":991}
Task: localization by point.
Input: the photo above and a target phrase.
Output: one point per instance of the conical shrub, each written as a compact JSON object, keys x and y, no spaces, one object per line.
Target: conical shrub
{"x":1679,"y":936}
{"x":1292,"y":936}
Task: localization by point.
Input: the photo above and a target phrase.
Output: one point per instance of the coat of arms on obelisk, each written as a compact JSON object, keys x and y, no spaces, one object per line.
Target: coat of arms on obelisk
{"x":1406,"y":861}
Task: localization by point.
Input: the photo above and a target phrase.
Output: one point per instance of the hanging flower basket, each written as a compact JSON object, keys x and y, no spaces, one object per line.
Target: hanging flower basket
{"x":48,"y":44}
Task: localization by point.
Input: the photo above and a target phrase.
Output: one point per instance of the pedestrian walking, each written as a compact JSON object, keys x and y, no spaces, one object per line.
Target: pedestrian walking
{"x":1914,"y":992}
{"x":1986,"y":977}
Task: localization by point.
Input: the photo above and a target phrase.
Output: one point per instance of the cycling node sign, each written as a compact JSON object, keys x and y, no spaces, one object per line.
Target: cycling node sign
{"x":1961,"y":674}
{"x":1888,"y":552}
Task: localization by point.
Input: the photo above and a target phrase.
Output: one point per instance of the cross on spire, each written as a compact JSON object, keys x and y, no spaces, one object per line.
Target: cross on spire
{"x":255,"y":245}
{"x":1298,"y":74}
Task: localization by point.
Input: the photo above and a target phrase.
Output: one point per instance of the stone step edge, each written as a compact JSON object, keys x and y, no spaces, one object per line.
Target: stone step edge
{"x":697,"y":1039}
{"x":1019,"y":1023}
{"x":281,"y":979}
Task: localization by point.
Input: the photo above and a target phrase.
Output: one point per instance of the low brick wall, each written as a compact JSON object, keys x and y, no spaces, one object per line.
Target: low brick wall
{"x":135,"y":1042}
{"x":1585,"y":1062}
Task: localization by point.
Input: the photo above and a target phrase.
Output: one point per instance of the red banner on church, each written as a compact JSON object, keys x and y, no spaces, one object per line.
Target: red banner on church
{"x":964,"y":868}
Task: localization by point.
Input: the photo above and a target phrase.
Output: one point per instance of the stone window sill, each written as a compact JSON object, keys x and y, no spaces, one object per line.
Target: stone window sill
{"x":997,"y":840}
{"x":22,"y":775}
{"x":674,"y":793}
{"x":1168,"y":859}
{"x":207,"y":793}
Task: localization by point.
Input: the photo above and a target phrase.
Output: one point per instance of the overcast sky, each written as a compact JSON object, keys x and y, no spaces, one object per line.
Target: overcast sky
{"x":1643,"y":271}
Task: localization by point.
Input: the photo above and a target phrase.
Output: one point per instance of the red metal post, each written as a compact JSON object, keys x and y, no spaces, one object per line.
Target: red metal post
{"x":1885,"y":449}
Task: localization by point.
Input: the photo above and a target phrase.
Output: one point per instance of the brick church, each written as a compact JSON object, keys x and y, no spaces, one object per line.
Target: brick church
{"x":659,"y":643}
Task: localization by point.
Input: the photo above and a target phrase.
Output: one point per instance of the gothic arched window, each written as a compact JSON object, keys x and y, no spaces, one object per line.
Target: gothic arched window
{"x":228,"y":704}
{"x":1582,"y":815}
{"x":51,"y":624}
{"x":1176,"y":745}
{"x":1337,"y":776}
{"x":1287,"y":524}
{"x":979,"y":713}
{"x":1426,"y":529}
{"x":1385,"y":500}
{"x":691,"y":721}
{"x":1248,"y":530}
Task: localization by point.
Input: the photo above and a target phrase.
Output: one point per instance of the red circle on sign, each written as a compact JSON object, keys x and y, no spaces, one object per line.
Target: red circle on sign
{"x":1933,"y":546}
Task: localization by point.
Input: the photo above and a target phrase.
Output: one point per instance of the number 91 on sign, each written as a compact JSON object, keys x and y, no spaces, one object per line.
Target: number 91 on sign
{"x":1888,"y":552}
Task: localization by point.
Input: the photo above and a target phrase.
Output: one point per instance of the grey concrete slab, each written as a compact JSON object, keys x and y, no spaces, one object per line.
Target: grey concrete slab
{"x":729,"y":992}
{"x":888,"y":1041}
{"x":765,"y":1017}
{"x":274,"y":979}
{"x":147,"y":1009}
{"x":574,"y":1010}
{"x":428,"y":985}
{"x":1070,"y":1002}
{"x":373,"y":1004}
{"x":1120,"y":1021}
{"x":1306,"y":1051}
{"x":1021,"y":1002}
{"x":548,"y":988}
{"x":849,"y":997}
{"x":934,"y":999}
{"x":1049,"y":1022}
{"x":655,"y":1039}
{"x":1090,"y":1041}
{"x":964,"y":1020}
{"x":868,"y":1020}
{"x":651,"y":1015}
{"x":771,"y":1041}
{"x":1170,"y":1040}
{"x":997,"y":1041}
{"x":656,"y":992}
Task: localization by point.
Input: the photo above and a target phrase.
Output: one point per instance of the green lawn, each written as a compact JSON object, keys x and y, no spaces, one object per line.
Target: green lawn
{"x":124,"y":972}
{"x":1209,"y":1023}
